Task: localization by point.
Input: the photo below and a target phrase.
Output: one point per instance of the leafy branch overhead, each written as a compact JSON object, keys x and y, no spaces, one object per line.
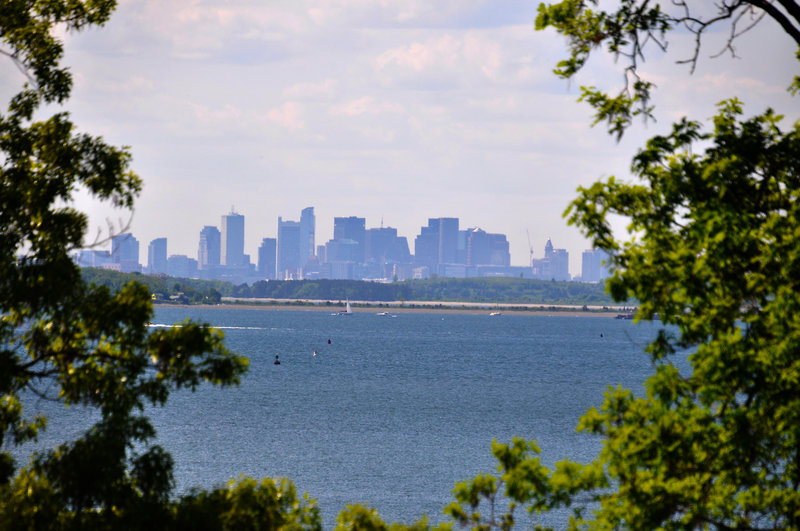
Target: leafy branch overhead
{"x":635,"y":27}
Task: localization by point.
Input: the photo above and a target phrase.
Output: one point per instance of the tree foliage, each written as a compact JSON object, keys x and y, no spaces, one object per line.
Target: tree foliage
{"x":712,"y":251}
{"x":634,"y":26}
{"x":64,"y":340}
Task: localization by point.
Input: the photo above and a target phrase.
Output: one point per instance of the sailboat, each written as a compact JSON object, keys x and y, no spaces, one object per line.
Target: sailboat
{"x":347,"y":310}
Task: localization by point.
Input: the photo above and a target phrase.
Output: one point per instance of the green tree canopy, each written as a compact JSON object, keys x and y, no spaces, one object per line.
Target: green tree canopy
{"x":62,"y":339}
{"x":629,"y":29}
{"x":712,"y":250}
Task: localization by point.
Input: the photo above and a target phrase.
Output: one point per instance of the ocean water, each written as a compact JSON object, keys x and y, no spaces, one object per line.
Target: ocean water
{"x":394,"y":410}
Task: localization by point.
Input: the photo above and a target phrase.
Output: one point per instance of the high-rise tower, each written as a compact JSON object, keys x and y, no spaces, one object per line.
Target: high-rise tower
{"x":157,"y":256}
{"x":208,"y":253}
{"x":232,"y":242}
{"x":288,"y":255}
{"x":351,"y":228}
{"x":307,"y":236}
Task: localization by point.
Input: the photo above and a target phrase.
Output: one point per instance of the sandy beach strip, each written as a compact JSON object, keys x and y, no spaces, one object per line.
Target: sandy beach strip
{"x":396,"y":307}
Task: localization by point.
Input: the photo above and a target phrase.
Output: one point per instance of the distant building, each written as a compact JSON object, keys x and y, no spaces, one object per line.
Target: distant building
{"x":441,"y":243}
{"x":307,"y":235}
{"x":125,"y":252}
{"x":157,"y":256}
{"x":208,"y":253}
{"x":554,"y":265}
{"x":484,"y":248}
{"x":267,"y":258}
{"x":179,"y":265}
{"x":232,"y":242}
{"x":288,"y":252}
{"x":92,"y":258}
{"x":351,"y":228}
{"x":343,"y":250}
{"x":384,"y":246}
{"x":594,"y":266}
{"x":426,"y":247}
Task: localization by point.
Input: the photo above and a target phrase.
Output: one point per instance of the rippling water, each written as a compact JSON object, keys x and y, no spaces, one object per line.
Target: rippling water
{"x":394,"y":410}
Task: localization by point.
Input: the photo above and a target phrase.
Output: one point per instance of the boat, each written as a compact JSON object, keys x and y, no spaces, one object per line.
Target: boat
{"x":383,"y":314}
{"x":495,"y":314}
{"x":347,"y":310}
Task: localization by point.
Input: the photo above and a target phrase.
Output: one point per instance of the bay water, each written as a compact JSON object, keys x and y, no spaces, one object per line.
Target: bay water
{"x":392,"y":411}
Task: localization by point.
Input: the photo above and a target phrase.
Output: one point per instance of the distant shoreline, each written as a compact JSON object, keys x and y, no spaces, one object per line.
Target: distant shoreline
{"x":395,"y":307}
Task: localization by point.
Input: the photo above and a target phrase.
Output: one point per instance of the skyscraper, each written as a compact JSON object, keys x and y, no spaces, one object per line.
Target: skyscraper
{"x":232,"y":241}
{"x":267,"y":257}
{"x":594,"y":266}
{"x":307,"y":236}
{"x":125,"y":252}
{"x":288,"y":253}
{"x":554,"y":265}
{"x":351,"y":228}
{"x":208,"y":253}
{"x":157,"y":256}
{"x":448,"y":240}
{"x":426,"y":245}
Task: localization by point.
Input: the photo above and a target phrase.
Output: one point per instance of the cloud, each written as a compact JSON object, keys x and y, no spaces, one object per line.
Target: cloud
{"x":322,"y":89}
{"x":365,"y":105}
{"x":442,"y":58}
{"x":288,"y":115}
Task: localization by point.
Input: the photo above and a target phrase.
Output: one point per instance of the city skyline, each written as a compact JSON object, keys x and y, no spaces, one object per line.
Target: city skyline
{"x":298,"y":225}
{"x":393,"y":111}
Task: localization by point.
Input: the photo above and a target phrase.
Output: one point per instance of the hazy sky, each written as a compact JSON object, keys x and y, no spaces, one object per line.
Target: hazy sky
{"x":393,"y":110}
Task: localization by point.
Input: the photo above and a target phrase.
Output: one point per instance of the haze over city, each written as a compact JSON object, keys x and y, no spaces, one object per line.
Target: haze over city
{"x":395,"y":111}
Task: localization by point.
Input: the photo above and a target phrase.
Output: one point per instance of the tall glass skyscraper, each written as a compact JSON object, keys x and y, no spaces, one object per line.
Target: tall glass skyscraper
{"x":288,"y":255}
{"x":307,"y":237}
{"x":351,"y":228}
{"x":232,"y":242}
{"x":208,"y":253}
{"x":157,"y":256}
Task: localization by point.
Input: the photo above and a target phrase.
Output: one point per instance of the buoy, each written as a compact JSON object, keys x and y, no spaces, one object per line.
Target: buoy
{"x":277,"y":361}
{"x":329,"y":341}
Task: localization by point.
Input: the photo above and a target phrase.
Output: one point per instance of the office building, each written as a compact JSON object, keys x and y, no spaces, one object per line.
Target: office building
{"x":426,"y":246}
{"x":180,"y":265}
{"x":288,"y":252}
{"x":125,"y":252}
{"x":594,"y":266}
{"x":208,"y":253}
{"x":351,"y":228}
{"x":267,"y":258}
{"x":232,"y":240}
{"x":384,"y":246}
{"x":307,"y":235}
{"x":448,"y":240}
{"x":157,"y":256}
{"x":554,"y":265}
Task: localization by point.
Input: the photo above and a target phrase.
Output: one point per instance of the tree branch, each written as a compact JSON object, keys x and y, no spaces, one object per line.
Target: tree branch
{"x":780,"y":18}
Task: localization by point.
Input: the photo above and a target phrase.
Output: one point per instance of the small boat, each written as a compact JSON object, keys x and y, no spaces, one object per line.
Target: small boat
{"x":383,"y":314}
{"x":495,"y":314}
{"x":347,"y":310}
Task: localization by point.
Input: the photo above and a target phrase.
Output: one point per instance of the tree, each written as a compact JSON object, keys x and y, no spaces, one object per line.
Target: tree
{"x":712,"y":251}
{"x":637,"y":25}
{"x":65,"y":340}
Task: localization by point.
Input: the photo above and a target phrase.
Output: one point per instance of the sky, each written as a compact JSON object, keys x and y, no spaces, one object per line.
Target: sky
{"x":392,"y":110}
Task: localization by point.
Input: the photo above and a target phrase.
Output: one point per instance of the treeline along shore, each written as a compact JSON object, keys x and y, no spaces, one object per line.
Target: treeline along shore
{"x":508,"y":294}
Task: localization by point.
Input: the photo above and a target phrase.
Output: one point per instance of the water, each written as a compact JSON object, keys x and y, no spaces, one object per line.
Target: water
{"x":394,"y":411}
